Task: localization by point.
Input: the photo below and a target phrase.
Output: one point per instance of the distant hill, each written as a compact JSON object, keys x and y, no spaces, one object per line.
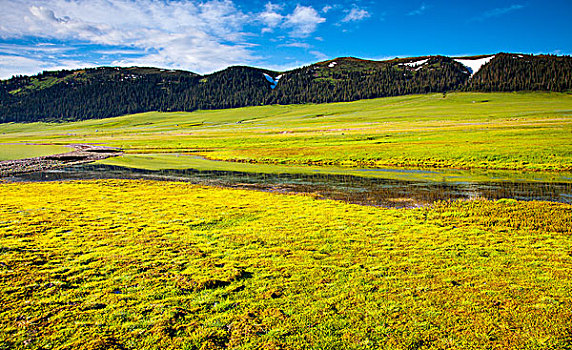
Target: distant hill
{"x":111,"y":91}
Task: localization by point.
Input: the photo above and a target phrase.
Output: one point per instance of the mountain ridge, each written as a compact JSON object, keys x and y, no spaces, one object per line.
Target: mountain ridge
{"x":102,"y":92}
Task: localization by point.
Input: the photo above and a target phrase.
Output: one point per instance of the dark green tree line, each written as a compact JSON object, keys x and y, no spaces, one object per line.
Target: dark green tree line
{"x":110,"y":91}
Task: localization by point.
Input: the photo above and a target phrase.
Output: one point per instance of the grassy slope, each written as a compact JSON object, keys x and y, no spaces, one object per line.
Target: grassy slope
{"x":20,"y":151}
{"x":148,"y":265}
{"x":529,"y":131}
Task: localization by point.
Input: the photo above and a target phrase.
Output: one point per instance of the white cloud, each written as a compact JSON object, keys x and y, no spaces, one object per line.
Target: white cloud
{"x":303,"y":21}
{"x":418,"y":11}
{"x":186,"y":34}
{"x":319,"y":55}
{"x":270,"y":17}
{"x":10,"y":65}
{"x":19,"y":65}
{"x":297,"y":44}
{"x":355,"y":15}
{"x":201,"y":36}
{"x":327,"y":8}
{"x":497,"y":12}
{"x":115,"y":52}
{"x":204,"y":56}
{"x":37,"y":49}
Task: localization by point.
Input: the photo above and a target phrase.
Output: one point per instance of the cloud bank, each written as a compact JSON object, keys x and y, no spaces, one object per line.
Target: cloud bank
{"x":185,"y":34}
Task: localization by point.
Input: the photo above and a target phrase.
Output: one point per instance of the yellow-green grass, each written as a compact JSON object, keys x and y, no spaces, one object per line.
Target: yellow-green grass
{"x":527,"y":131}
{"x":11,"y":151}
{"x":158,"y":161}
{"x":157,"y":265}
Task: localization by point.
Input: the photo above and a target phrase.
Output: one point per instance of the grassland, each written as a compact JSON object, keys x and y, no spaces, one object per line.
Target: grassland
{"x":21,"y":151}
{"x":517,"y":131}
{"x":162,"y":265}
{"x":150,"y":265}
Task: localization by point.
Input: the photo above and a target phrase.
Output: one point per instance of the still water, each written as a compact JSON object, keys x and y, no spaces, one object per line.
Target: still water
{"x":349,"y":188}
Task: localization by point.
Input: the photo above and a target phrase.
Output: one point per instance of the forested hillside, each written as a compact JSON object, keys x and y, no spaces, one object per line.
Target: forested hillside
{"x":111,"y":91}
{"x":508,"y":72}
{"x":350,"y":79}
{"x":90,"y":93}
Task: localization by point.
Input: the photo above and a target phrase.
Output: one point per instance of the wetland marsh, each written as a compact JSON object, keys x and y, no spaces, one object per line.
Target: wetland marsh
{"x":399,"y":188}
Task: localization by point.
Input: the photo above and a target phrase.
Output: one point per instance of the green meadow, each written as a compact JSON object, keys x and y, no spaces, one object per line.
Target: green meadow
{"x":163,"y":265}
{"x":515,"y":131}
{"x":133,"y":264}
{"x":9,"y":151}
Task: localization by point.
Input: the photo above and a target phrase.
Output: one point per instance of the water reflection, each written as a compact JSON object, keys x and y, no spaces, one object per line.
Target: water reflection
{"x":353,"y":189}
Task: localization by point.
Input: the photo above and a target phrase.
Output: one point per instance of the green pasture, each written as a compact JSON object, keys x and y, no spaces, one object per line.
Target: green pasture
{"x":163,"y":265}
{"x":158,"y":265}
{"x":10,"y":151}
{"x":115,"y":264}
{"x":517,"y":131}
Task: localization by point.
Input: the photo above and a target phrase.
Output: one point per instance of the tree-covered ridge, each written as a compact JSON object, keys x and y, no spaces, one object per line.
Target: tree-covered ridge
{"x":513,"y":72}
{"x":230,"y":88}
{"x":90,"y":93}
{"x":112,"y":91}
{"x":350,"y":79}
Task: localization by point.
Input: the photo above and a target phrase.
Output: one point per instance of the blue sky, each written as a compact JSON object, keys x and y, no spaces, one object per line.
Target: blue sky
{"x":205,"y":36}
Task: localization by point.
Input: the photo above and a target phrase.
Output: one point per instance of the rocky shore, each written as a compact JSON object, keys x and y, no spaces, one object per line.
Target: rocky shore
{"x":83,"y":153}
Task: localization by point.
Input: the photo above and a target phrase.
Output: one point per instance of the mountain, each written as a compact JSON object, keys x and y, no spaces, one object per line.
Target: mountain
{"x":349,"y":79}
{"x":509,"y":72}
{"x":89,"y":93}
{"x":112,"y":91}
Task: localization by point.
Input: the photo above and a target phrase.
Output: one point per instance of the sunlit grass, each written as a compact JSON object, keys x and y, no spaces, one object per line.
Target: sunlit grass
{"x":158,"y":161}
{"x":526,"y":131}
{"x":21,"y":151}
{"x":157,"y":265}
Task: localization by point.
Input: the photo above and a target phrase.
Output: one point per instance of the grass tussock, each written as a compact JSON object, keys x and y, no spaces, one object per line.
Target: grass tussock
{"x":154,"y":265}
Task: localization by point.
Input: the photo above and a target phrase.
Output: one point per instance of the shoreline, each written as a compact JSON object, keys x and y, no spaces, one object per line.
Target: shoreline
{"x":82,"y":153}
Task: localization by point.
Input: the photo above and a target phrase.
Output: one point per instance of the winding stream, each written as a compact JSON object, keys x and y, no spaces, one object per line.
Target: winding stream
{"x":387,"y":192}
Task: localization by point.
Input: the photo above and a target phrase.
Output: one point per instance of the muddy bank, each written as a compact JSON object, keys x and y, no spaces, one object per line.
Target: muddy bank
{"x":83,"y":153}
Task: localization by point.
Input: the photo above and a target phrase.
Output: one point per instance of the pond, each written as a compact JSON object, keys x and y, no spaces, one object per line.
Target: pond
{"x":377,"y":191}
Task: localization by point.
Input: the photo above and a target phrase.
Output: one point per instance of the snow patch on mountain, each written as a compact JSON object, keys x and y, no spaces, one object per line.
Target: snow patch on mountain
{"x":273,"y":81}
{"x":475,"y":64}
{"x":416,"y":63}
{"x":332,"y":65}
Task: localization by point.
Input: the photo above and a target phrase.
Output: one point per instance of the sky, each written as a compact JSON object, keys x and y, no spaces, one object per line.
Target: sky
{"x":210,"y":35}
